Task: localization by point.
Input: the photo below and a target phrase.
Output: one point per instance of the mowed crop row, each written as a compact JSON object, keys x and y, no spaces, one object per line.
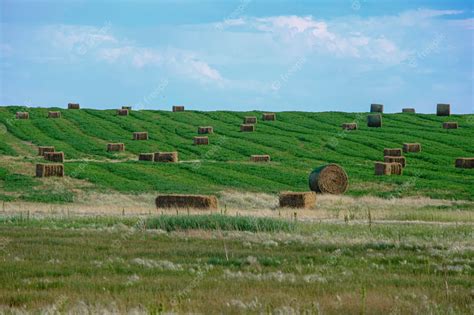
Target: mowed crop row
{"x":297,"y":142}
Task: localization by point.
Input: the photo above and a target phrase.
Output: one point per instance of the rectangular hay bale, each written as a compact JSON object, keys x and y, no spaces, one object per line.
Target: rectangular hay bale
{"x":54,"y":156}
{"x":450,"y":125}
{"x":73,"y":106}
{"x":142,"y":135}
{"x":465,"y":162}
{"x":269,"y":116}
{"x":376,"y":108}
{"x":395,"y":159}
{"x":392,"y":152}
{"x":22,"y":115}
{"x":201,"y":140}
{"x":115,"y":147}
{"x":54,"y":114}
{"x":122,"y":112}
{"x":178,"y":108}
{"x":297,"y":199}
{"x":260,"y":158}
{"x":374,"y":120}
{"x":205,"y":130}
{"x":129,"y":108}
{"x":349,"y":126}
{"x":443,"y":110}
{"x":250,"y":120}
{"x":43,"y":150}
{"x":411,"y":147}
{"x":146,"y":156}
{"x":187,"y":201}
{"x":408,"y":110}
{"x":247,"y":128}
{"x":48,"y":170}
{"x":166,"y":157}
{"x":382,"y":168}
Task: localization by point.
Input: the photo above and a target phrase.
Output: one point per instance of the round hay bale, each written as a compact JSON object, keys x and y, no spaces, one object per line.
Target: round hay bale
{"x":330,"y":179}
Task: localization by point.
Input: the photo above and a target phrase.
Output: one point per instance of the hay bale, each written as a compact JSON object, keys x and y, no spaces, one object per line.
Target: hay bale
{"x":73,"y":106}
{"x":22,"y":115}
{"x":178,"y":108}
{"x":250,"y":120}
{"x":450,"y":125}
{"x":382,"y":168}
{"x":54,"y":114}
{"x":396,"y":168}
{"x":376,"y":108}
{"x":122,"y":112}
{"x":297,"y":199}
{"x":115,"y":147}
{"x":247,"y":128}
{"x":129,"y":108}
{"x":408,"y":110}
{"x":187,"y":201}
{"x":142,"y":135}
{"x":166,"y":157}
{"x":349,"y":126}
{"x":411,"y":147}
{"x":43,"y":150}
{"x":48,"y":170}
{"x":374,"y":120}
{"x":392,"y":152}
{"x":331,"y":179}
{"x":201,"y":140}
{"x":54,"y":156}
{"x":395,"y":159}
{"x":443,"y":110}
{"x":146,"y":156}
{"x":205,"y":130}
{"x":465,"y":162}
{"x":268,"y":116}
{"x":260,"y":158}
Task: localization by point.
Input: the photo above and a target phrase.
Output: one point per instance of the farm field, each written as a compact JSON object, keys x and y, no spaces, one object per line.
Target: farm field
{"x":297,"y":143}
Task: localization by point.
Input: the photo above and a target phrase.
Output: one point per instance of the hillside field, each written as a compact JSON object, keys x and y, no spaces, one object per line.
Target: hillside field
{"x":297,"y":143}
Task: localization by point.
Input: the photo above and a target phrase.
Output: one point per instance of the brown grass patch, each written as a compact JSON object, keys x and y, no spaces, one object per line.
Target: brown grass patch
{"x":187,"y":201}
{"x":297,"y":199}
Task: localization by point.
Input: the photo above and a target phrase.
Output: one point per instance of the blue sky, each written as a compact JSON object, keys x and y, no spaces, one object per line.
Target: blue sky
{"x":238,"y":55}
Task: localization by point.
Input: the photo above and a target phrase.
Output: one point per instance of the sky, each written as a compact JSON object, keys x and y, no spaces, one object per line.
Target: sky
{"x":339,"y":55}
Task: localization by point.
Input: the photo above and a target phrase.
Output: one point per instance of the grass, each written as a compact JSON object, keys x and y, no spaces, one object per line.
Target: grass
{"x":297,"y":143}
{"x":113,"y":264}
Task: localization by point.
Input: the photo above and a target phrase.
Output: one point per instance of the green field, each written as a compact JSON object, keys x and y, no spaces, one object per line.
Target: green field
{"x":297,"y":143}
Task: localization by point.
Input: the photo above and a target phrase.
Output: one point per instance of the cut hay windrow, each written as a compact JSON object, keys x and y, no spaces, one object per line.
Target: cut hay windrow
{"x":349,"y":126}
{"x":48,"y":170}
{"x":443,"y":110}
{"x":22,"y":115}
{"x":43,"y":150}
{"x":122,"y":112}
{"x":201,"y":140}
{"x":205,"y":130}
{"x":269,"y":116}
{"x":115,"y":147}
{"x":247,"y":128}
{"x":392,"y":152}
{"x":187,"y":201}
{"x":178,"y":108}
{"x":297,"y":199}
{"x":395,"y":159}
{"x":450,"y":125}
{"x":374,"y":120}
{"x":260,"y":158}
{"x":73,"y":106}
{"x":408,"y":110}
{"x":54,"y":114}
{"x":331,"y":179}
{"x":411,"y":147}
{"x":166,"y":157}
{"x":129,"y":108}
{"x":383,"y":168}
{"x":250,"y":120}
{"x":465,"y":162}
{"x":376,"y":108}
{"x":54,"y":156}
{"x":142,"y":135}
{"x":146,"y":157}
